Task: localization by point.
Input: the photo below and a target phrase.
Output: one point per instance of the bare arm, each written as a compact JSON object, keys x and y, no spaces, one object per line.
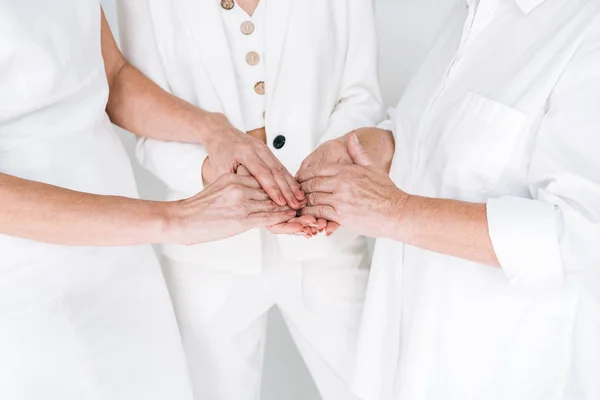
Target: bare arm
{"x":142,"y":107}
{"x":55,"y":215}
{"x":374,"y":206}
{"x":50,"y":214}
{"x":456,"y":228}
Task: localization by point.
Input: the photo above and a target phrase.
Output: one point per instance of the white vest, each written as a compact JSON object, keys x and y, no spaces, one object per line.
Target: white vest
{"x":245,"y":34}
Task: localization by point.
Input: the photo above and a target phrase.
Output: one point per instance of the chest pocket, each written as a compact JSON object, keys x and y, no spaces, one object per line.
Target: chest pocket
{"x":475,"y":146}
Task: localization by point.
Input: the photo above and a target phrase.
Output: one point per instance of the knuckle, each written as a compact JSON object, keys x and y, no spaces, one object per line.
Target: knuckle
{"x":278,"y":172}
{"x":229,"y":177}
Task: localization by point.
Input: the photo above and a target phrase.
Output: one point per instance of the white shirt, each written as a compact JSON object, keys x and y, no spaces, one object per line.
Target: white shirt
{"x":504,"y":111}
{"x":245,"y":36}
{"x":320,"y":83}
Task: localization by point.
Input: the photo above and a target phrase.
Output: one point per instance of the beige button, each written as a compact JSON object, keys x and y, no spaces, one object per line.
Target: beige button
{"x":252,"y":58}
{"x":227,"y":4}
{"x":259,"y":88}
{"x":247,"y":28}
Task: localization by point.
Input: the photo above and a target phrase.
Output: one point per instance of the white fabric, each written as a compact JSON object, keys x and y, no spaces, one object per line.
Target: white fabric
{"x":320,"y":78}
{"x":75,"y":322}
{"x":223,"y":318}
{"x":504,"y":111}
{"x":252,"y":105}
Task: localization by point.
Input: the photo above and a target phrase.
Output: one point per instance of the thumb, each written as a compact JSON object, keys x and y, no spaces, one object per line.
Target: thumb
{"x":357,"y":152}
{"x":241,"y":170}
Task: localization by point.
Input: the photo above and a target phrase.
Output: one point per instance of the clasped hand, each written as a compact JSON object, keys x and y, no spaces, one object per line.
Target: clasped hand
{"x":337,"y":184}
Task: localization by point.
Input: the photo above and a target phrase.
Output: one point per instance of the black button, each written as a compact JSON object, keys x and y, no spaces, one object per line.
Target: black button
{"x":279,"y":142}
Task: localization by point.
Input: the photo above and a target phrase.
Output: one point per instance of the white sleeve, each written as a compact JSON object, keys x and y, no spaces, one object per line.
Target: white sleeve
{"x":360,"y":102}
{"x":178,"y":165}
{"x":557,"y":233}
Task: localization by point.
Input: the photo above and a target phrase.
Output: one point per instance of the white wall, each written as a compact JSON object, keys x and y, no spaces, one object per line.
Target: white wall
{"x":406,"y":30}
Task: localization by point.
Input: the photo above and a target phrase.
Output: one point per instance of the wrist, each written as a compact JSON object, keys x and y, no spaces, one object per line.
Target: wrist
{"x":400,"y":219}
{"x":170,"y":222}
{"x":207,"y":173}
{"x":212,"y":123}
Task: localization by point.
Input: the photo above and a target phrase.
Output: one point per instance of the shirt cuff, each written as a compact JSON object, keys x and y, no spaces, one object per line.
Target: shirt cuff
{"x":387,"y":125}
{"x":525,"y":237}
{"x":178,"y":165}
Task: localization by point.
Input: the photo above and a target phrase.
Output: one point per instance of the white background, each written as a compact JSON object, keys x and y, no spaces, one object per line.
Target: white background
{"x":406,"y":30}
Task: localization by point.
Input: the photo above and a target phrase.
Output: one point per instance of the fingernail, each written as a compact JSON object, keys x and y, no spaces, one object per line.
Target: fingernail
{"x":281,"y":200}
{"x":300,"y":194}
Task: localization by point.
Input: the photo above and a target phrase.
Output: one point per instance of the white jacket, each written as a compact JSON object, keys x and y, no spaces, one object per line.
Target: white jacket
{"x":321,"y":82}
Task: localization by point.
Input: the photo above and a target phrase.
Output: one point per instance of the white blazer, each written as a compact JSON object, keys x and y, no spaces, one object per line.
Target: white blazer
{"x":321,"y":82}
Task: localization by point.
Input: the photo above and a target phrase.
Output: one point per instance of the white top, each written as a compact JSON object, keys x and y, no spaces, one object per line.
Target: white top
{"x":321,"y":84}
{"x":504,"y":111}
{"x":245,"y":34}
{"x":71,"y":326}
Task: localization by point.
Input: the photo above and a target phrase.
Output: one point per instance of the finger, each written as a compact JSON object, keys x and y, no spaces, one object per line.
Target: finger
{"x":287,"y":185}
{"x":298,"y":192}
{"x":286,"y":189}
{"x":319,"y":170}
{"x":279,"y":169}
{"x":321,"y":224}
{"x":270,"y":206}
{"x":264,"y":219}
{"x":306,"y":220}
{"x":357,"y":151}
{"x":247,"y":181}
{"x":257,"y":194}
{"x":320,"y":199}
{"x":241,"y":170}
{"x":322,"y":211}
{"x":319,"y":184}
{"x":286,"y":228}
{"x":331,"y":228}
{"x":262,"y":174}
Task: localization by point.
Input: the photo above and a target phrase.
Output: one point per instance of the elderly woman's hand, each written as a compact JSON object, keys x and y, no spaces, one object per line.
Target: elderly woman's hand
{"x":358,"y":196}
{"x":306,"y":225}
{"x":230,"y":148}
{"x":331,"y":152}
{"x":233,"y":204}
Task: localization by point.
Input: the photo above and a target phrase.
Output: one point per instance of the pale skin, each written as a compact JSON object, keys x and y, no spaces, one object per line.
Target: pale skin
{"x":143,"y":108}
{"x":334,"y":151}
{"x":374,"y":206}
{"x":378,"y":143}
{"x":231,"y":205}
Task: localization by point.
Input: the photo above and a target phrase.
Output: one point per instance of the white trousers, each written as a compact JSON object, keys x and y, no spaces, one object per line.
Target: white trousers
{"x":223,"y":319}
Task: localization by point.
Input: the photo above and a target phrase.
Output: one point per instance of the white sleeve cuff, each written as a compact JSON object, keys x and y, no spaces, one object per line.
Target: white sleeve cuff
{"x":178,"y":165}
{"x":387,"y":125}
{"x":525,"y":236}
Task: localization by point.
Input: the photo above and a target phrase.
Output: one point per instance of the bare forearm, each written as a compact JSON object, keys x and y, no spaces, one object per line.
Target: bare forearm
{"x":142,"y":107}
{"x":456,"y":228}
{"x":55,"y":215}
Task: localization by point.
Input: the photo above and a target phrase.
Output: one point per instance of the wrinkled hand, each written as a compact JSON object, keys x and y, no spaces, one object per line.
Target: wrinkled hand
{"x":229,"y":148}
{"x":331,"y":152}
{"x":360,"y":197}
{"x":300,"y":226}
{"x":231,"y":205}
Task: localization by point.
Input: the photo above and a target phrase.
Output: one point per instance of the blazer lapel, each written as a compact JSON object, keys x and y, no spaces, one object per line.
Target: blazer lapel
{"x":278,"y":14}
{"x":206,"y":25}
